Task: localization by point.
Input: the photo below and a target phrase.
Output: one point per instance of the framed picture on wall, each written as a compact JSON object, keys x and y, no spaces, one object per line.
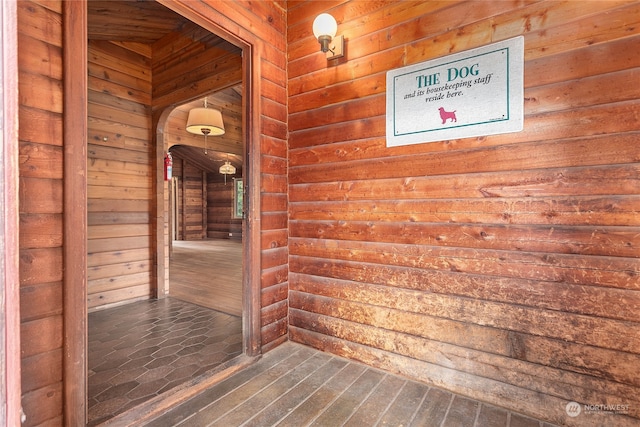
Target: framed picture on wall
{"x":238,"y":198}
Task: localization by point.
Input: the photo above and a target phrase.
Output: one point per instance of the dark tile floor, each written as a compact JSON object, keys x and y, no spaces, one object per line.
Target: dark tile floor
{"x":143,"y":349}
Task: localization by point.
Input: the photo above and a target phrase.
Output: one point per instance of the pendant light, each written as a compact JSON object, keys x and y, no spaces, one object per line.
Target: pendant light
{"x":227,"y":169}
{"x":205,"y":121}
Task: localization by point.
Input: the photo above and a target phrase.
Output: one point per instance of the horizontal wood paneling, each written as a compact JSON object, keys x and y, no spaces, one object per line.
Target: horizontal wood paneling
{"x":502,"y":267}
{"x":119,"y":175}
{"x":120,"y":172}
{"x":42,"y":402}
{"x":207,"y":215}
{"x":41,"y":209}
{"x":220,"y":224}
{"x":193,"y":202}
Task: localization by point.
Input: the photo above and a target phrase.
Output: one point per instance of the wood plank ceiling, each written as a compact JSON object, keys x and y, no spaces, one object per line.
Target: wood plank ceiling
{"x":132,"y":21}
{"x":146,"y":22}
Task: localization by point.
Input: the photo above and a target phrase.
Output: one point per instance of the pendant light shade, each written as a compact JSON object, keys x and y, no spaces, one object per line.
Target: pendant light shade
{"x":227,"y":168}
{"x":205,"y":121}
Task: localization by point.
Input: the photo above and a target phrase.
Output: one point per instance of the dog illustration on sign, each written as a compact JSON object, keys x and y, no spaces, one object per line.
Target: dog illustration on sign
{"x":446,"y":115}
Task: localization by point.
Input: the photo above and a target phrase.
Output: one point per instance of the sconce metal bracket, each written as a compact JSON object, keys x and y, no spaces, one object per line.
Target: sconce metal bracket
{"x":336,"y":48}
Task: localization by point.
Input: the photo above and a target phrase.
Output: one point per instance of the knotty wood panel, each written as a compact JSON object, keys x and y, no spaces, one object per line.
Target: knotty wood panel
{"x":119,"y":175}
{"x":502,"y":267}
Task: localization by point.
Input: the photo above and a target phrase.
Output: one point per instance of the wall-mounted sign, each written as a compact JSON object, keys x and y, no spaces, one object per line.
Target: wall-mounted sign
{"x":472,"y":93}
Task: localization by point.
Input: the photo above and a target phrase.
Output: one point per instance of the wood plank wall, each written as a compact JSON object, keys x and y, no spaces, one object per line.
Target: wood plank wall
{"x":218,"y":206}
{"x":119,"y":173}
{"x":504,"y":267}
{"x":220,"y":224}
{"x":41,"y":208}
{"x":193,"y":202}
{"x":41,"y":178}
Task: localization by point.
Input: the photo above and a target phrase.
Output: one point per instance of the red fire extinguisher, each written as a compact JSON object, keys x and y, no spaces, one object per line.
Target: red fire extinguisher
{"x":168,"y":166}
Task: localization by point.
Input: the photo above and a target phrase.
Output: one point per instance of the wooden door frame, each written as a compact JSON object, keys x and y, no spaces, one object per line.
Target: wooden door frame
{"x":251,"y":46}
{"x":75,"y":122}
{"x":10,"y":381}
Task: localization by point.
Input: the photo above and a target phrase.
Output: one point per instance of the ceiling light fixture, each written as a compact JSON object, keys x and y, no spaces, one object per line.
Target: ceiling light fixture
{"x":227,"y":169}
{"x":205,"y":121}
{"x":325,"y":28}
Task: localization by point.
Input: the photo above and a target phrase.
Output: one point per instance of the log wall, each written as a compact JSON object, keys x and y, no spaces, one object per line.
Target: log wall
{"x":504,"y":267}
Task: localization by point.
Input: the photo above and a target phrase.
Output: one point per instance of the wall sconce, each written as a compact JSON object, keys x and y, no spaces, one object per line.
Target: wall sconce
{"x":325,"y":28}
{"x":205,"y":121}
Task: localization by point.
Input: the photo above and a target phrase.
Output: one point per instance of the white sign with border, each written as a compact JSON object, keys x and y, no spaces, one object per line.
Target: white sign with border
{"x":472,"y":93}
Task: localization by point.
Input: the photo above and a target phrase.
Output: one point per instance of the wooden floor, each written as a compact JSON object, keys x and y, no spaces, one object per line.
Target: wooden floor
{"x":207,"y":273}
{"x":294,"y":385}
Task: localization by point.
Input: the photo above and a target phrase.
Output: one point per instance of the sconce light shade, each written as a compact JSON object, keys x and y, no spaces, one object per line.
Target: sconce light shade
{"x":325,"y":28}
{"x":227,"y":168}
{"x":205,"y":121}
{"x":325,"y":25}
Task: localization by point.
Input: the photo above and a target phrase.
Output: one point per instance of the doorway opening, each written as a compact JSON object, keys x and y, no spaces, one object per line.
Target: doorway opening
{"x":126,"y":210}
{"x":206,"y":208}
